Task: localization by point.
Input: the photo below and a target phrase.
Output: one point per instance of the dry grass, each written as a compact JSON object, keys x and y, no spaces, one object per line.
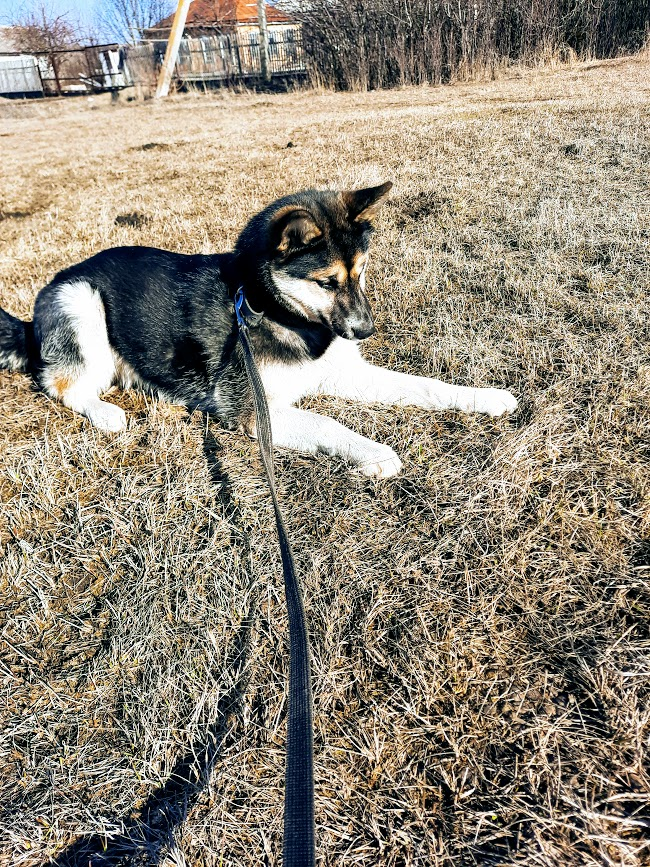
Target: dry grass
{"x":479,"y":624}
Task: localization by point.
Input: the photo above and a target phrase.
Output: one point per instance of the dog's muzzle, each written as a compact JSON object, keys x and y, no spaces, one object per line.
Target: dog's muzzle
{"x":354,"y":329}
{"x":356,"y":323}
{"x":361,"y":332}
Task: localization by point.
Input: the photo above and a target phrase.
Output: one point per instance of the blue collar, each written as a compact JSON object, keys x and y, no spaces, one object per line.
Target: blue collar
{"x":245,"y":314}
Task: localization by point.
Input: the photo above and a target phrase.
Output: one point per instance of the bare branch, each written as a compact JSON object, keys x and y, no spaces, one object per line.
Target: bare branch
{"x":41,"y":30}
{"x":127,"y":19}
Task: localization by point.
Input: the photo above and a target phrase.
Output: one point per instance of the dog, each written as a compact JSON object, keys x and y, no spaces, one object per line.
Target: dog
{"x":164,"y":322}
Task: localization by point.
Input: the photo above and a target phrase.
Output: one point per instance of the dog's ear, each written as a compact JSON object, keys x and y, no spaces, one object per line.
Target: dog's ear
{"x":293,"y":229}
{"x":363,"y":205}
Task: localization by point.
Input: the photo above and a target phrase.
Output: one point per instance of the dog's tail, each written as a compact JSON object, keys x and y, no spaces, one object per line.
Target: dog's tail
{"x":16,"y":340}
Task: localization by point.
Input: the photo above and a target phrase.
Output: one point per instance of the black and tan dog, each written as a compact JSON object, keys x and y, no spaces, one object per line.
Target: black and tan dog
{"x":165,"y":322}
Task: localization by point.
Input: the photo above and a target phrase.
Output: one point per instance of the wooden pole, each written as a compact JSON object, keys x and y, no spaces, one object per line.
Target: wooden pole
{"x":167,"y":69}
{"x":264,"y":41}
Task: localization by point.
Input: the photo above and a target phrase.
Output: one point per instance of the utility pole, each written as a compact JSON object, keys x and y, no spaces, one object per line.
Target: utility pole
{"x":167,"y":69}
{"x":264,"y":41}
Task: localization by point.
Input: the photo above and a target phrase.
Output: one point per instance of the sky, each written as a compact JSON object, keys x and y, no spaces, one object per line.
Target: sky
{"x":82,"y":11}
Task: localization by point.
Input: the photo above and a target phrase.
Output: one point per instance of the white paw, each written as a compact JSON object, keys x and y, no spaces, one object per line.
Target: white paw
{"x":493,"y":401}
{"x":107,"y":417}
{"x":381,"y":465}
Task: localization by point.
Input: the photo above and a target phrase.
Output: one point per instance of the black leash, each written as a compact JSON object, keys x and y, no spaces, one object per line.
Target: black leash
{"x":298,"y":848}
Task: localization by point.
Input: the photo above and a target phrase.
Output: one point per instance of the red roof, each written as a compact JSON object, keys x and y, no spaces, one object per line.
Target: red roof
{"x":227,"y":12}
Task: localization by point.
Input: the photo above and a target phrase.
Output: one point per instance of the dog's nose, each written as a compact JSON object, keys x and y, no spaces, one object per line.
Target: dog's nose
{"x":363,"y":330}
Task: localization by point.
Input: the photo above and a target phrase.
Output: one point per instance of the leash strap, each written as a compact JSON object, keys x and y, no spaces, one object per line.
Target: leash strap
{"x":298,"y":846}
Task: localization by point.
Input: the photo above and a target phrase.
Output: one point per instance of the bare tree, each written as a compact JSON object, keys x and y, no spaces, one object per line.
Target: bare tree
{"x":41,"y":31}
{"x":126,"y":19}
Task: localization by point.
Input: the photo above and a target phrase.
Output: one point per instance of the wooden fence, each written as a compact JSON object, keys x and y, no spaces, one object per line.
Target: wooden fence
{"x":20,"y":76}
{"x":237,"y":56}
{"x":92,"y":69}
{"x":220,"y":58}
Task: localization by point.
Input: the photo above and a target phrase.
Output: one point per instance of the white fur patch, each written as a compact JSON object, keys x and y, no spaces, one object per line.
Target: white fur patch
{"x":105,"y":416}
{"x":317,"y":434}
{"x":79,"y":386}
{"x":343,"y":372}
{"x":306,"y":296}
{"x":285,"y":384}
{"x":83,"y":307}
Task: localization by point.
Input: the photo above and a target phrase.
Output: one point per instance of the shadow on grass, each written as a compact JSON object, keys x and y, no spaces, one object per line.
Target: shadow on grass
{"x":148,"y":835}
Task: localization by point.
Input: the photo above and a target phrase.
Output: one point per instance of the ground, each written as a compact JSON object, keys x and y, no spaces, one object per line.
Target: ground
{"x":479,"y":624}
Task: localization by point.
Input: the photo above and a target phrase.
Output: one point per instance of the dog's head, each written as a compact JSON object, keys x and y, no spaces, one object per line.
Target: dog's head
{"x":317,"y":252}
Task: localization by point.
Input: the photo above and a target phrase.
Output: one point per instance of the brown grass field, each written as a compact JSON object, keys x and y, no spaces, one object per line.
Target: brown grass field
{"x":480,"y":624}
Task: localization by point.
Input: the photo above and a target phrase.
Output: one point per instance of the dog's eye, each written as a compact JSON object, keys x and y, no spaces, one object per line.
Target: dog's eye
{"x":330,"y":283}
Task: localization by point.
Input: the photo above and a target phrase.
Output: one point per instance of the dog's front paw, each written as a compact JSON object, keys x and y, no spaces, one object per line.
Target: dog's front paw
{"x":383,"y":464}
{"x":106,"y":416}
{"x":493,"y":401}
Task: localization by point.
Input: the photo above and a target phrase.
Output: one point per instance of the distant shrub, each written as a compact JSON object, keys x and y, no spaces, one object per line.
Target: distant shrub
{"x":383,"y":43}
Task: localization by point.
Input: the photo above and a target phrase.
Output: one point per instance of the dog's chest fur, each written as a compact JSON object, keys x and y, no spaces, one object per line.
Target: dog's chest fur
{"x":285,"y":383}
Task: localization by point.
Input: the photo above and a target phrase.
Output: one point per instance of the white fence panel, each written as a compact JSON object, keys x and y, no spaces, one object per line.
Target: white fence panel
{"x":19,"y":74}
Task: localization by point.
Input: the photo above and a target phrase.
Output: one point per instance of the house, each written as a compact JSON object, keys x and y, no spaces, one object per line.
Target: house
{"x":221,"y":42}
{"x":210,"y":17}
